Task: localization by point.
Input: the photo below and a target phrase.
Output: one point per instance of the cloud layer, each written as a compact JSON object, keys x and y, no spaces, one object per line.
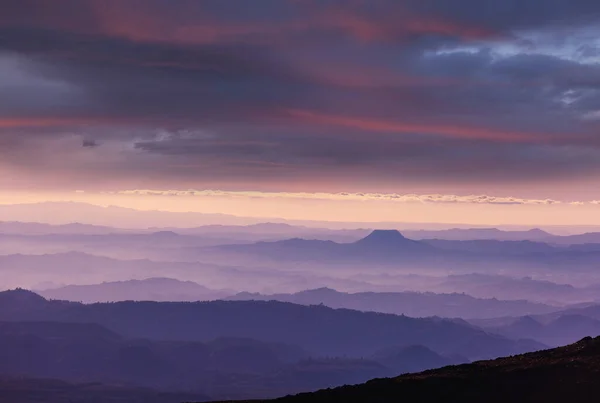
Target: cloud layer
{"x":386,"y":197}
{"x":302,"y":95}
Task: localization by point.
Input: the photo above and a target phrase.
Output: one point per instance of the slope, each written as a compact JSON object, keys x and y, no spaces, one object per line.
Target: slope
{"x":567,"y":374}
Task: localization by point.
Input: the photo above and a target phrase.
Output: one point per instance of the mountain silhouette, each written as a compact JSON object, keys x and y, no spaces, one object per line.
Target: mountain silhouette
{"x":320,"y":330}
{"x":152,"y":289}
{"x":383,"y":238}
{"x":390,"y":242}
{"x":389,"y":248}
{"x":413,"y":304}
{"x":21,"y":299}
{"x":379,"y":245}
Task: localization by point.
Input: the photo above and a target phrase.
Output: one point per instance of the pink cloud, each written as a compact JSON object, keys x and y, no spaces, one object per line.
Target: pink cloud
{"x":387,"y":126}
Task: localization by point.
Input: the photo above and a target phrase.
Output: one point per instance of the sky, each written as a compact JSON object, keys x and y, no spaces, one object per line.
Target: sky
{"x":417,"y":104}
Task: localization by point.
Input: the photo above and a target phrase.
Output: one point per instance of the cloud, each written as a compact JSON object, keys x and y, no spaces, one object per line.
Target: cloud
{"x":383,"y":126}
{"x":387,"y":197}
{"x":282,"y":94}
{"x":89,"y":143}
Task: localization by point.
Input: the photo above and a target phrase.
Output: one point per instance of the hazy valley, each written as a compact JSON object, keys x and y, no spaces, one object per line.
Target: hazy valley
{"x":265,"y":310}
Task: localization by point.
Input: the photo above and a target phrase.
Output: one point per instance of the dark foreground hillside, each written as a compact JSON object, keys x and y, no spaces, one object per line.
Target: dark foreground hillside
{"x":567,"y":374}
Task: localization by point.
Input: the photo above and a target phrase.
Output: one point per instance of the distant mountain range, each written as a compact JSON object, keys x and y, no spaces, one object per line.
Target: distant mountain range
{"x":53,"y":271}
{"x":408,"y":303}
{"x":76,"y":212}
{"x":253,"y":231}
{"x":379,"y":248}
{"x":494,"y":247}
{"x":77,"y":267}
{"x":510,"y":288}
{"x":152,"y":289}
{"x":554,"y":329}
{"x":379,"y":245}
{"x":59,"y":213}
{"x":566,"y":374}
{"x":34,"y":228}
{"x":390,"y":248}
{"x":472,"y":234}
{"x":320,"y":330}
{"x":412,"y":304}
{"x":273,"y":231}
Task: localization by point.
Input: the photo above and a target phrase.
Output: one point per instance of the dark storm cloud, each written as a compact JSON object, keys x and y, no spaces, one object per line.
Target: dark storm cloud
{"x":319,"y":153}
{"x":133,"y":79}
{"x":418,"y":90}
{"x":89,"y":143}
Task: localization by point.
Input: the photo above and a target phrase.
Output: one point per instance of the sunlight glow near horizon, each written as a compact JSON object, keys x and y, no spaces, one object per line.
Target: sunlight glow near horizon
{"x":337,"y":207}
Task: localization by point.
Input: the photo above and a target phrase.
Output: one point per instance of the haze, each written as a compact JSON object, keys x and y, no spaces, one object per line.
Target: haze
{"x":208,"y":200}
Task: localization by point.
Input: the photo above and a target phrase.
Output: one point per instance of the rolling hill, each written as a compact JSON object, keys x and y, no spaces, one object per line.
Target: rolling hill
{"x":320,"y":330}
